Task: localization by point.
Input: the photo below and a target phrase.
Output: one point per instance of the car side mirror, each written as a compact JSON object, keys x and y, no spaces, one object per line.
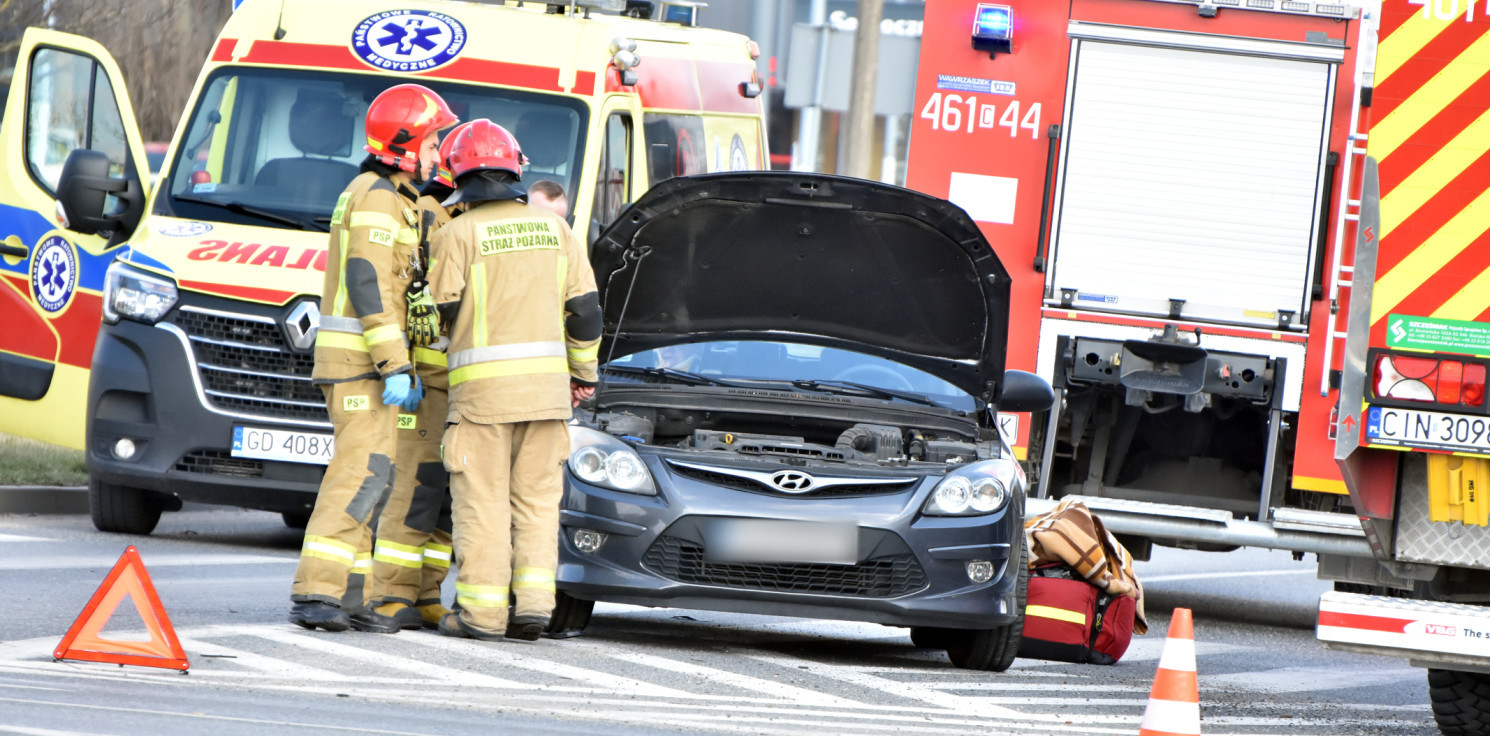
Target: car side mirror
{"x":83,"y":190}
{"x":1024,"y":391}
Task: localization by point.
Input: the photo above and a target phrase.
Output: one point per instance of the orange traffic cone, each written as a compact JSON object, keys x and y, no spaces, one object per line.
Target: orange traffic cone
{"x":1174,"y":701}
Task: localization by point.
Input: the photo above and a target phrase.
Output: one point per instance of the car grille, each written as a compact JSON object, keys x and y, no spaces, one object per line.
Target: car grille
{"x":883,"y":577}
{"x":246,"y":367}
{"x":219,"y":462}
{"x":745,"y":484}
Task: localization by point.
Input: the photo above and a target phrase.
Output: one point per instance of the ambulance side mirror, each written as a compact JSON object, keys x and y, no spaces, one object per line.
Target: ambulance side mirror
{"x":84,"y":189}
{"x":1025,"y":392}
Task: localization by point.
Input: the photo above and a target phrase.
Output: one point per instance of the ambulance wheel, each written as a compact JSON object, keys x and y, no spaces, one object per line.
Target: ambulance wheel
{"x":1461,"y":702}
{"x":932,"y":637}
{"x":993,"y":650}
{"x":571,"y":616}
{"x":295,"y":519}
{"x":124,"y":509}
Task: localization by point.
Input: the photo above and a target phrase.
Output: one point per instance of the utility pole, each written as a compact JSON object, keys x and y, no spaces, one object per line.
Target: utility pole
{"x":854,"y":157}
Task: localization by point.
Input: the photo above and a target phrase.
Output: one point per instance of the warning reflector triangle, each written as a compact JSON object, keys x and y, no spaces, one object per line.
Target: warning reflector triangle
{"x":128,"y":579}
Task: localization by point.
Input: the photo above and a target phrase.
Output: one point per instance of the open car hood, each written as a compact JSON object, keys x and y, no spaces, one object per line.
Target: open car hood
{"x":807,"y":258}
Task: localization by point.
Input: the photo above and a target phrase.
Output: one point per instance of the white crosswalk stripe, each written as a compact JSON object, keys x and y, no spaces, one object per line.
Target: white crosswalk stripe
{"x":750,"y":691}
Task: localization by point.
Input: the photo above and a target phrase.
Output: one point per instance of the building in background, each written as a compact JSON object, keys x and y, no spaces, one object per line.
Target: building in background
{"x":807,"y":49}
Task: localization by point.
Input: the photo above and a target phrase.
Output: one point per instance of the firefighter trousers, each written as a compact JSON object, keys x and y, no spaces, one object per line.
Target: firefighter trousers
{"x":506,"y":481}
{"x":411,"y":554}
{"x":355,"y":488}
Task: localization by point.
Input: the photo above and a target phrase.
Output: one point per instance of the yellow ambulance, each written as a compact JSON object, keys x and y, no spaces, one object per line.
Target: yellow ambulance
{"x":166,"y":327}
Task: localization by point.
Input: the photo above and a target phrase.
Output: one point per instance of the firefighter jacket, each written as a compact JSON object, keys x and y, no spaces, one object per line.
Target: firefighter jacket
{"x":430,"y":363}
{"x":374,"y":255}
{"x":528,"y":316}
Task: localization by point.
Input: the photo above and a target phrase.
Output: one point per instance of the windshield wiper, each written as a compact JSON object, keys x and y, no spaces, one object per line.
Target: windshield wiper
{"x":691,"y":379}
{"x":301,"y":223}
{"x":847,"y":388}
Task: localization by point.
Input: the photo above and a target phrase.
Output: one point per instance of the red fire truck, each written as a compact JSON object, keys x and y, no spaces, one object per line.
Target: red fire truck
{"x":1224,"y":286}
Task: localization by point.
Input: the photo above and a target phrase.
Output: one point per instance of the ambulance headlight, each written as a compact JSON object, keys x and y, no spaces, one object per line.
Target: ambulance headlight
{"x":974,"y":489}
{"x":602,"y":460}
{"x":130,"y":293}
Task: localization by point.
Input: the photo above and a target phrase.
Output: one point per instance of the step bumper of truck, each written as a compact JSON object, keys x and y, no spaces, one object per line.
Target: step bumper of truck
{"x":1429,"y":634}
{"x":1290,"y":529}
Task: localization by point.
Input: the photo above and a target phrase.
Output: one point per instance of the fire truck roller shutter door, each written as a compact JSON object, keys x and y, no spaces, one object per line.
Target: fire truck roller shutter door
{"x":1191,"y":174}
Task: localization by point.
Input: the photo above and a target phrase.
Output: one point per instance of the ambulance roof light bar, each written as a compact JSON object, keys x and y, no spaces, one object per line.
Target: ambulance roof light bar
{"x":1209,"y":8}
{"x":993,"y":28}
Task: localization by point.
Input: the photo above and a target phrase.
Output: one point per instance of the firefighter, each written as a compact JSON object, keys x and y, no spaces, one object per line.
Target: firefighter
{"x":515,"y":286}
{"x":362,"y":354}
{"x":412,"y":551}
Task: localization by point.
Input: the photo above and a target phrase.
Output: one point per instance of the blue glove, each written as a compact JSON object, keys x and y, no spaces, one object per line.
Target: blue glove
{"x":401,"y":390}
{"x":415,"y":398}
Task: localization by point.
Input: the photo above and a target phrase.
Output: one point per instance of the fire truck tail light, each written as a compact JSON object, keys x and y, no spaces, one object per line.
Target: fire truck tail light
{"x":1429,"y":380}
{"x":1450,"y":377}
{"x":1474,"y":385}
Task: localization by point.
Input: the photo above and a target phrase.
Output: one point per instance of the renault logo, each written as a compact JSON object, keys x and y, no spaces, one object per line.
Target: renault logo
{"x":301,"y":323}
{"x":792,"y":481}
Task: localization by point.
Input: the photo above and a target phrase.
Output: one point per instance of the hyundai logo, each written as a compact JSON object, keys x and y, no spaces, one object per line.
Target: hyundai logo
{"x":301,"y":323}
{"x":792,"y":481}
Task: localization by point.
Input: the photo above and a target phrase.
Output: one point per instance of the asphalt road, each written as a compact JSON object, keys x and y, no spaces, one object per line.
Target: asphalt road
{"x":224,"y":577}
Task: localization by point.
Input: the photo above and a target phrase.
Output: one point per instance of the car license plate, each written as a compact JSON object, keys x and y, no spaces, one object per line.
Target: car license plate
{"x":1429,"y":429}
{"x":765,"y":540}
{"x":282,"y":444}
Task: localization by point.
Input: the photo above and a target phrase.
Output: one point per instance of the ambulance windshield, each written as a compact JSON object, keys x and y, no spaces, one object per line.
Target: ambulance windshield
{"x":276,"y":147}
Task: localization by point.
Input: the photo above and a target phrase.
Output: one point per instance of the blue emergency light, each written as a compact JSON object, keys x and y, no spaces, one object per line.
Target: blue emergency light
{"x":993,"y":28}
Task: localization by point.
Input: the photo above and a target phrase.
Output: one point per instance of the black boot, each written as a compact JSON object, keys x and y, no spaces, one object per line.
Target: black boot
{"x":527,"y":627}
{"x":371,"y":621}
{"x":313,"y":614}
{"x":451,"y":625}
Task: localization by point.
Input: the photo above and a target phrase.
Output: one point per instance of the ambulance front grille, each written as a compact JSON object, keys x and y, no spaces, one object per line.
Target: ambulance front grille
{"x":246,"y":367}
{"x":220,"y":462}
{"x":882,"y":577}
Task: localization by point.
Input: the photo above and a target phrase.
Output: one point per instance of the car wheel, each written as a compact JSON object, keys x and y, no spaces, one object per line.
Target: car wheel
{"x":1461,"y":702}
{"x":124,"y":509}
{"x":993,"y":650}
{"x":295,"y":519}
{"x":931,"y":637}
{"x":571,"y":616}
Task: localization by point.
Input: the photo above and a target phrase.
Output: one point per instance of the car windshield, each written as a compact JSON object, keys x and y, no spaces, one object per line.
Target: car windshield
{"x":800,"y":367}
{"x":276,"y":147}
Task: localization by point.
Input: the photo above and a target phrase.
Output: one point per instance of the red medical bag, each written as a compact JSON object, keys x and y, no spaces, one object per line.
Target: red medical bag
{"x":1069,"y":620}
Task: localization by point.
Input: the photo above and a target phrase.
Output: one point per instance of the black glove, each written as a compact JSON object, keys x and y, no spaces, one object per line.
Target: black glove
{"x":424,"y":319}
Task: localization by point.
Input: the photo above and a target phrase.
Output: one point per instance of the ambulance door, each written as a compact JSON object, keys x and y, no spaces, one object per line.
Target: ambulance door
{"x":618,"y":178}
{"x":66,"y":94}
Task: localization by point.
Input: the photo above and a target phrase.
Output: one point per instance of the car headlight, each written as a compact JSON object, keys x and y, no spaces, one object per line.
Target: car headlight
{"x":977,"y":488}
{"x":134,"y":294}
{"x":602,"y":460}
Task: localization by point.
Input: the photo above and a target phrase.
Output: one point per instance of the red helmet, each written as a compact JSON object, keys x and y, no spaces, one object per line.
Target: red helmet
{"x":482,"y":144}
{"x":442,"y":171}
{"x":400,"y":118}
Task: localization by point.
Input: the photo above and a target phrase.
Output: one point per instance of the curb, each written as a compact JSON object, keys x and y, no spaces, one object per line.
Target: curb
{"x":43,"y":499}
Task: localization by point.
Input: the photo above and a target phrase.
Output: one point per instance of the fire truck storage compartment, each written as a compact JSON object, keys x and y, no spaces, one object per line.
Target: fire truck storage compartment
{"x":1192,"y":169}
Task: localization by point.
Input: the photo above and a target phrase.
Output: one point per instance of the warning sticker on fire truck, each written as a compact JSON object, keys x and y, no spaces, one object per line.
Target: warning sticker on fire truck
{"x":1426,"y":333}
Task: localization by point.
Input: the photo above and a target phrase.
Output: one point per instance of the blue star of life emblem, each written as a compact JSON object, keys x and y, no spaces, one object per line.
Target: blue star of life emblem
{"x":408,"y":40}
{"x":54,"y":273}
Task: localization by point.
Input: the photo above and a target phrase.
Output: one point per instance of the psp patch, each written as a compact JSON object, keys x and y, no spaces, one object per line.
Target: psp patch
{"x":408,"y":40}
{"x":54,"y":274}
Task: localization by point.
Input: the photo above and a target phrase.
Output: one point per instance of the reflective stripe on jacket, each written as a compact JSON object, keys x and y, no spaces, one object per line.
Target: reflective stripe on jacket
{"x":528,"y":319}
{"x":374,"y":242}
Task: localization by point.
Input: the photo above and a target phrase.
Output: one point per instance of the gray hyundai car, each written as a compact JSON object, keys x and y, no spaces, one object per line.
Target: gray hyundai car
{"x":800,"y":386}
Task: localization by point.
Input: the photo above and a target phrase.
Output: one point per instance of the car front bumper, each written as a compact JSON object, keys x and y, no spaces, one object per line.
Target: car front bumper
{"x":912,"y":568}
